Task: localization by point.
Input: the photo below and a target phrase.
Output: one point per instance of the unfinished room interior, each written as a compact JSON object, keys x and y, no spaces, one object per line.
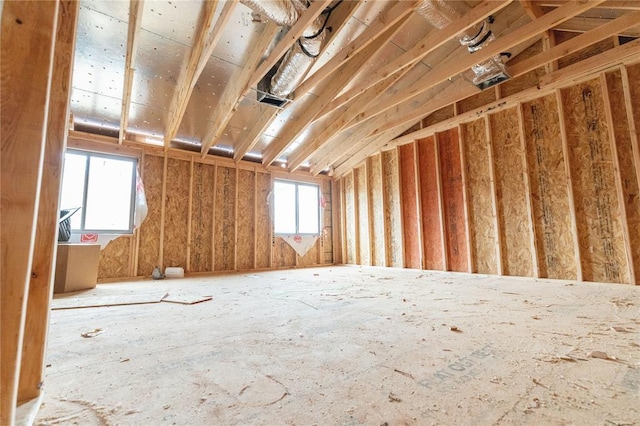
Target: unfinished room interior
{"x":292,"y":212}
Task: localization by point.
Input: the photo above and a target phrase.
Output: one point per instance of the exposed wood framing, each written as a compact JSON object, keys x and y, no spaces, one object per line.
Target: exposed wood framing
{"x":527,"y":187}
{"x":235,"y":89}
{"x":206,"y":40}
{"x":633,"y":131}
{"x":190,"y":211}
{"x":622,"y":54}
{"x":494,"y":198}
{"x":443,"y":72}
{"x":367,"y":172}
{"x":443,"y":235}
{"x":572,"y":203}
{"x":27,"y":44}
{"x":416,"y":170}
{"x":356,"y":217}
{"x":344,"y":76}
{"x":618,"y":179}
{"x":163,"y":212}
{"x":135,"y":19}
{"x":45,"y":245}
{"x":463,"y":168}
{"x":336,"y":228}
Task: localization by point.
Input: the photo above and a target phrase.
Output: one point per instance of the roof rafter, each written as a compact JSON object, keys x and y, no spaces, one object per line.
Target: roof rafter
{"x":432,"y":41}
{"x":337,"y":21}
{"x":205,"y":42}
{"x":235,"y":89}
{"x":343,"y":76}
{"x":377,"y":140}
{"x":135,"y":20}
{"x":443,"y":72}
{"x":383,"y":22}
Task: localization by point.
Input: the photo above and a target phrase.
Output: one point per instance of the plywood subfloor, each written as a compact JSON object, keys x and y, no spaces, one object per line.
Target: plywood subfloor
{"x":351,"y":345}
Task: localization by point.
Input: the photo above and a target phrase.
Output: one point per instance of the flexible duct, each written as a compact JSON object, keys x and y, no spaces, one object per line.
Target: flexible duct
{"x":302,"y":55}
{"x":441,"y":13}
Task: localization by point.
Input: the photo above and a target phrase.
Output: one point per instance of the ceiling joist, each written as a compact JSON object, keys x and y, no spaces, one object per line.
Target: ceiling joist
{"x":206,"y":40}
{"x":135,"y":20}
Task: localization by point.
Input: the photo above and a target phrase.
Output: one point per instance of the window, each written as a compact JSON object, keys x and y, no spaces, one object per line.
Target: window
{"x":104,"y":187}
{"x":296,"y":208}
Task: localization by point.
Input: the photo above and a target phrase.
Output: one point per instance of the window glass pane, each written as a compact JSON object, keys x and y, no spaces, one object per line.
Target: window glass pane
{"x":73,"y":186}
{"x":308,"y":209}
{"x":284,"y":211}
{"x":109,"y":194}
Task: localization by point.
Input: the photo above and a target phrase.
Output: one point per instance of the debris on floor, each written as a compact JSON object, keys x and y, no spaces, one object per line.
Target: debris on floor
{"x":92,"y":333}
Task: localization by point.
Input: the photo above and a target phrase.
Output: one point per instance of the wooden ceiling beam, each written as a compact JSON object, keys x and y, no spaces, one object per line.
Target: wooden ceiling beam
{"x":338,"y":21}
{"x":502,"y":44}
{"x":343,"y":76}
{"x":291,"y":37}
{"x":340,"y":118}
{"x":609,"y":4}
{"x":533,"y":9}
{"x":583,"y":24}
{"x":431,"y":42}
{"x":549,"y":82}
{"x":206,"y":40}
{"x":235,"y":89}
{"x":135,"y":20}
{"x":383,"y":22}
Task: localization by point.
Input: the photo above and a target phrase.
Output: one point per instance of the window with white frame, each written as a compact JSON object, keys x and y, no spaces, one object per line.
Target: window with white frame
{"x":296,"y":208}
{"x":104,"y":187}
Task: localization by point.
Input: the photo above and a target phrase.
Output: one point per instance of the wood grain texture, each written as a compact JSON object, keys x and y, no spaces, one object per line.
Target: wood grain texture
{"x":527,"y":80}
{"x":432,"y":241}
{"x":327,"y":219}
{"x":224,"y":221}
{"x":202,"y":217}
{"x":245,"y":222}
{"x":263,"y":222}
{"x":149,"y":250}
{"x":115,"y":257}
{"x":481,"y":223}
{"x":511,"y":194}
{"x":592,"y":173}
{"x":392,"y":208}
{"x":284,"y":256}
{"x":374,"y":185}
{"x":409,"y":207}
{"x":450,"y":171}
{"x":628,"y":173}
{"x":176,"y":213}
{"x":350,"y":216}
{"x":476,"y":101}
{"x":360,"y":178}
{"x":550,"y":200}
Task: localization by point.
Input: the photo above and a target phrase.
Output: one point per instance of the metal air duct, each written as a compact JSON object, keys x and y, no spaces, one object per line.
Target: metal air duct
{"x":281,"y":82}
{"x":440,"y":14}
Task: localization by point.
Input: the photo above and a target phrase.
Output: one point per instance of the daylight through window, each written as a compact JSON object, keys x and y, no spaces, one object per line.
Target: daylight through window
{"x":104,"y":187}
{"x":296,"y":208}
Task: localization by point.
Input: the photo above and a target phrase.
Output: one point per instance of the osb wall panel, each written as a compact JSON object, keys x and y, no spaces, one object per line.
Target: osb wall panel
{"x":517,"y":258}
{"x":628,"y":172}
{"x":350,"y":214}
{"x":392,"y":208}
{"x":452,"y":200}
{"x":510,"y":190}
{"x":284,"y":256}
{"x":327,"y":220}
{"x":479,"y":196}
{"x":176,"y":217}
{"x":360,"y":177}
{"x":310,"y":257}
{"x":246,"y":216}
{"x":409,"y":207}
{"x":115,"y":257}
{"x":263,"y":222}
{"x":202,"y":218}
{"x":440,"y":115}
{"x":549,"y":196}
{"x":599,"y":229}
{"x":429,"y":194}
{"x":476,"y":101}
{"x":149,"y":246}
{"x":633,"y":72}
{"x":224,"y":221}
{"x":374,"y":180}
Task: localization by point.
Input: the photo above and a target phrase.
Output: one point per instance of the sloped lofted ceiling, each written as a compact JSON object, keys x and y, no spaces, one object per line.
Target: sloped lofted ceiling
{"x":184,"y":74}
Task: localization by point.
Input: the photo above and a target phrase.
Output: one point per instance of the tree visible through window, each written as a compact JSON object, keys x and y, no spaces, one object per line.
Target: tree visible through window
{"x":104,"y":186}
{"x":296,"y":208}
